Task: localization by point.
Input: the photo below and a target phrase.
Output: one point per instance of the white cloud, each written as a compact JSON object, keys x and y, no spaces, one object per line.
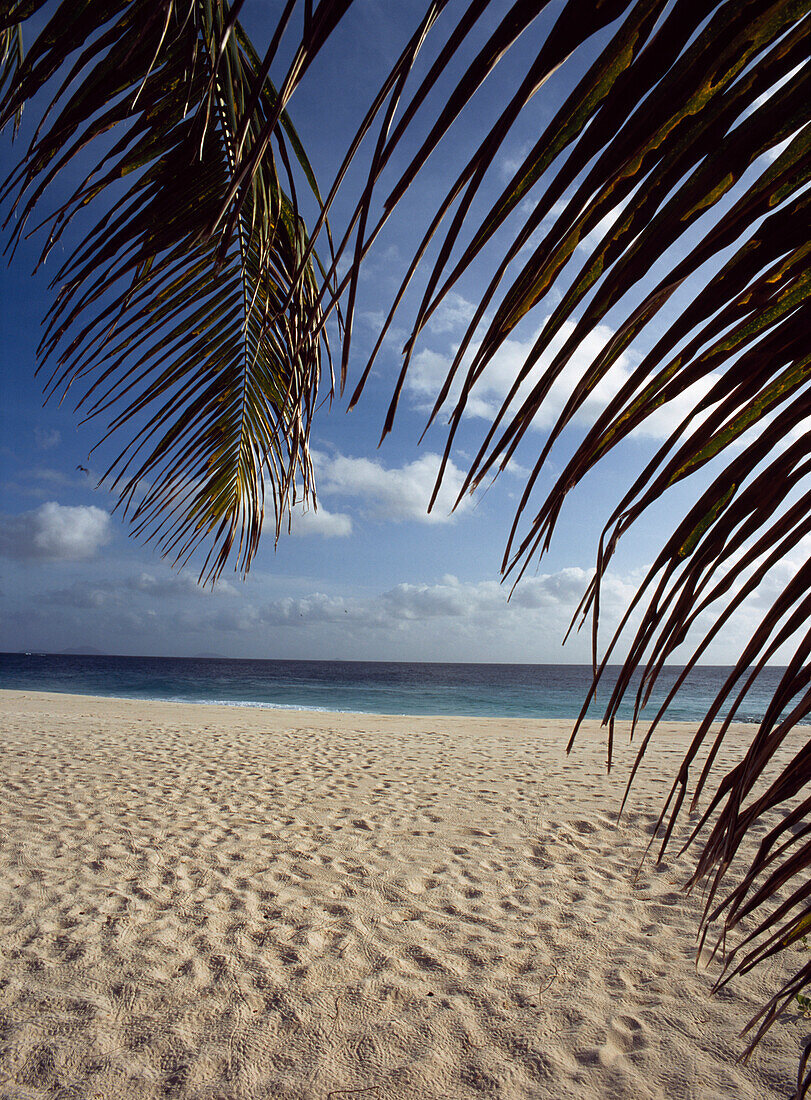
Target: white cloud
{"x":587,"y":244}
{"x":84,"y":595}
{"x":403,"y":604}
{"x":509,"y":165}
{"x":122,"y":592}
{"x":515,"y":469}
{"x":176,"y":586}
{"x":441,"y":601}
{"x":452,"y":314}
{"x":179,"y":585}
{"x":373,"y":320}
{"x":45,"y":440}
{"x":450,"y":619}
{"x":397,"y":493}
{"x":51,"y":476}
{"x":563,"y":588}
{"x":309,"y":521}
{"x":429,"y":369}
{"x":550,"y":597}
{"x":316,"y":608}
{"x":54,"y":532}
{"x":43,"y":482}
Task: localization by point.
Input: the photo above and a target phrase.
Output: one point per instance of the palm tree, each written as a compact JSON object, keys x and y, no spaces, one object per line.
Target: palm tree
{"x":685,"y":109}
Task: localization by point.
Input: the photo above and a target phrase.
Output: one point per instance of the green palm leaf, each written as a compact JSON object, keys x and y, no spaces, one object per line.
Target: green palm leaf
{"x":11,"y":54}
{"x":199,"y":348}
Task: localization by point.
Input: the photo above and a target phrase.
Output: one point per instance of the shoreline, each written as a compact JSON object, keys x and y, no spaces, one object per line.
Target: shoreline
{"x":17,"y":694}
{"x":592,"y":724}
{"x":241,"y":902}
{"x":321,"y":713}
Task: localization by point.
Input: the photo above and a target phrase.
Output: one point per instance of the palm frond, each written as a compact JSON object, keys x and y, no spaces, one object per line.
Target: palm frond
{"x":11,"y":51}
{"x":686,"y":109}
{"x":197,"y":347}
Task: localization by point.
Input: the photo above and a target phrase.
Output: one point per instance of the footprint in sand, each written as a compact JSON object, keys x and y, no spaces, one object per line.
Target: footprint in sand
{"x":626,"y":1035}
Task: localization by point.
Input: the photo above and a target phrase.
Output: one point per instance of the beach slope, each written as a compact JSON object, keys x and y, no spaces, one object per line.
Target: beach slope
{"x":223,"y":903}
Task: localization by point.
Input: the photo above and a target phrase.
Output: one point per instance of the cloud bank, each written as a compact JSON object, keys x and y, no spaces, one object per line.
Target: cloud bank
{"x":54,"y":532}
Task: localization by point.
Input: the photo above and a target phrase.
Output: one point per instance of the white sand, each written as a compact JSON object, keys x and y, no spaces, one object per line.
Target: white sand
{"x":217,"y":902}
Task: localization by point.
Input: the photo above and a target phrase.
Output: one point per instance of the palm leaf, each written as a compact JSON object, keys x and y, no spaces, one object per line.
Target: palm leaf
{"x":200,"y":349}
{"x":11,"y":52}
{"x":685,"y":110}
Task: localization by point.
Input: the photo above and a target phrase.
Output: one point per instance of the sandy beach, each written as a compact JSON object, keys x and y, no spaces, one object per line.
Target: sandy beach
{"x":221,"y":903}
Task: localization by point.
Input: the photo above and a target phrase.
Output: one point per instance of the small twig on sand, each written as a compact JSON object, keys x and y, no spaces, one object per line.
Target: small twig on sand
{"x":353,"y":1092}
{"x":542,"y":989}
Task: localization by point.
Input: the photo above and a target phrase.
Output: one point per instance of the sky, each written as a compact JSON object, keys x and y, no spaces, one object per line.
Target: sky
{"x":370,"y":575}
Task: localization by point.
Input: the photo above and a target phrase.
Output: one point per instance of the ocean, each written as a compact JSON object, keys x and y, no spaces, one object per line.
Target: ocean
{"x":370,"y":687}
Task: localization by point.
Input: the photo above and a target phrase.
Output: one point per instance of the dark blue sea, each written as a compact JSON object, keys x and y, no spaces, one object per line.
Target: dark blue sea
{"x":371,"y":687}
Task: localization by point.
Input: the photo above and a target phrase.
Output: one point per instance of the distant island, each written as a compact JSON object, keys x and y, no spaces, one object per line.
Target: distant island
{"x":82,"y":651}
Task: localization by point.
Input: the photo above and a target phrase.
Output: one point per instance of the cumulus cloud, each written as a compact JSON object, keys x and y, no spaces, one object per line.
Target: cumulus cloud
{"x":176,"y":586}
{"x":124,"y":591}
{"x":310,"y":521}
{"x":315,"y":608}
{"x":594,"y":237}
{"x":555,"y":595}
{"x":447,"y":600}
{"x":54,"y":532}
{"x":395,"y":493}
{"x":403,"y":604}
{"x":429,"y":369}
{"x":180,"y":585}
{"x":587,"y":244}
{"x":553,"y":589}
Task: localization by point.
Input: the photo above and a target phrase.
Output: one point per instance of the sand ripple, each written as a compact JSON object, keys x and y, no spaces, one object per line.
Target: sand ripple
{"x":222,"y":904}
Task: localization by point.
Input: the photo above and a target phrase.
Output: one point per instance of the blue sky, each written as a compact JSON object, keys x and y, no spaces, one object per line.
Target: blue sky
{"x":369,"y":575}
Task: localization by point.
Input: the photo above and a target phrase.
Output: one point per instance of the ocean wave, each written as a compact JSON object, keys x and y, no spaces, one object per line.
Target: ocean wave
{"x":253,"y":704}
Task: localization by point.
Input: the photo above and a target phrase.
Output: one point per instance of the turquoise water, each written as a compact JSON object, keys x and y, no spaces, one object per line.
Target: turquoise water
{"x":486,"y":690}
